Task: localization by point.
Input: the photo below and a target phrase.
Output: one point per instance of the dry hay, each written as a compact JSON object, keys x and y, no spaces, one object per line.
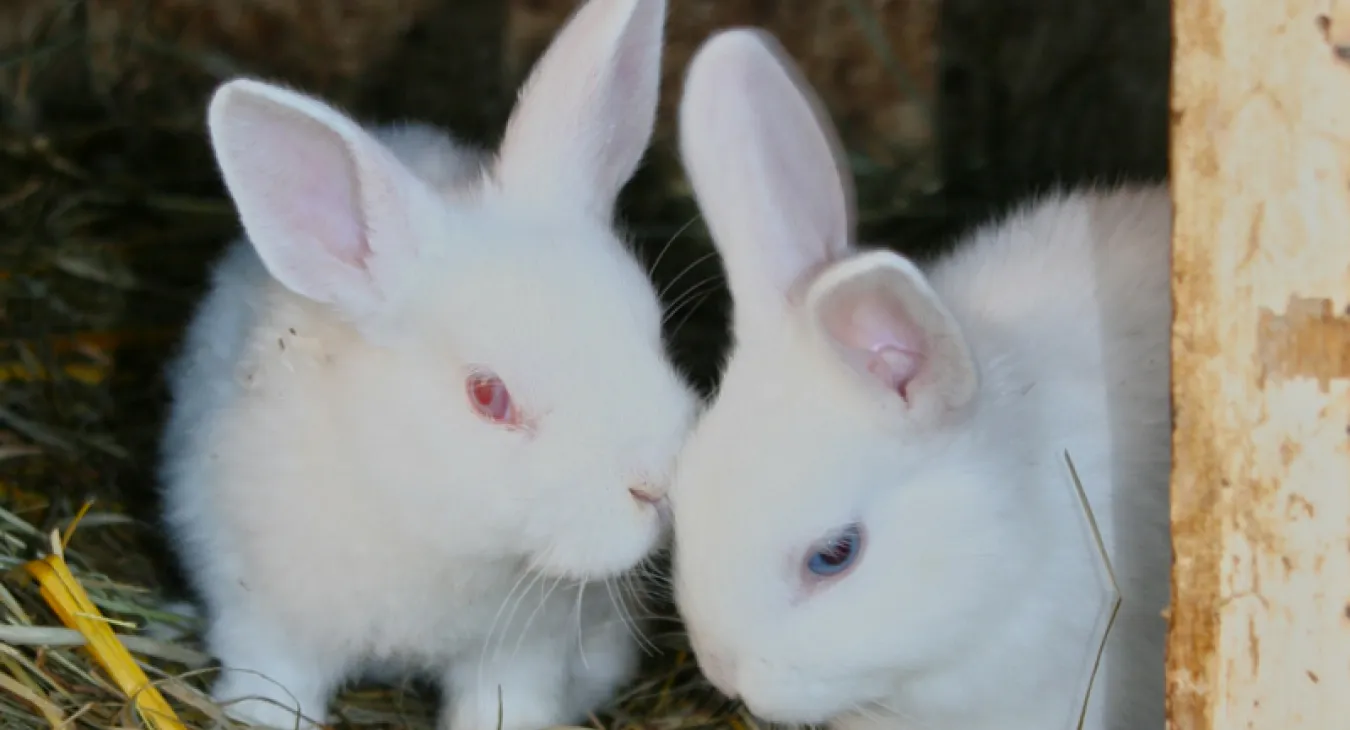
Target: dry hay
{"x":110,"y":212}
{"x":53,"y":678}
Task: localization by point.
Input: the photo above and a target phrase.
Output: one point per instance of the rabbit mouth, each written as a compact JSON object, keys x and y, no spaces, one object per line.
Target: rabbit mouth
{"x":588,"y":566}
{"x":787,"y":700}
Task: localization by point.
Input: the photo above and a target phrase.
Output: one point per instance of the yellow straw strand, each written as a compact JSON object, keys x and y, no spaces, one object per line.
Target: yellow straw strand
{"x":70,"y":529}
{"x":67,"y":598}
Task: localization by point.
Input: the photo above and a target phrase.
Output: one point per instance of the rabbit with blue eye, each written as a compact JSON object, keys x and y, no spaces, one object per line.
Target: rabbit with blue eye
{"x":424,"y":416}
{"x":875,"y":524}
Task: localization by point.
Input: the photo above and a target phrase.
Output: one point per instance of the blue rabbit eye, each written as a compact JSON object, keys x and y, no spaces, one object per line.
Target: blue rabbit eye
{"x":838,"y":554}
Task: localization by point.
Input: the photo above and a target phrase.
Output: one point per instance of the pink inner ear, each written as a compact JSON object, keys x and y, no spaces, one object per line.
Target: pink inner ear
{"x":895,"y":367}
{"x":316,"y":188}
{"x":295,"y":179}
{"x":324,"y":207}
{"x":879,"y":334}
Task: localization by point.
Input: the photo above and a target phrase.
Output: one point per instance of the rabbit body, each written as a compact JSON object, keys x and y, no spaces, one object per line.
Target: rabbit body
{"x":883,"y":473}
{"x":339,"y":570}
{"x":423,"y":420}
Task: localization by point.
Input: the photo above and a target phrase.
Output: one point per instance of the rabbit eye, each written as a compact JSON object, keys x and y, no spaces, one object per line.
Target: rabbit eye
{"x":835,"y":556}
{"x":489,"y":397}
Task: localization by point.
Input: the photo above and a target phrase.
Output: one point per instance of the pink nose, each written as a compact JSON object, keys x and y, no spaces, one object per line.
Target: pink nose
{"x":645,"y":494}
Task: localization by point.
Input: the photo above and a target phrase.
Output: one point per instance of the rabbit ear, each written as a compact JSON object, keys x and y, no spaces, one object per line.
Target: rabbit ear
{"x":327,"y":207}
{"x":586,"y":113}
{"x":765,"y":166}
{"x":880,"y":315}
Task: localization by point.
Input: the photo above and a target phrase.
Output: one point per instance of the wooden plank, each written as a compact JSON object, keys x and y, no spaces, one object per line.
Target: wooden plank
{"x":1260,"y":621}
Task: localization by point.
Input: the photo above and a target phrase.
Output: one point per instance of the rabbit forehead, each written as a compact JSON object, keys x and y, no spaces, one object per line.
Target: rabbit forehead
{"x":558,"y":307}
{"x":508,"y":283}
{"x":776,"y":455}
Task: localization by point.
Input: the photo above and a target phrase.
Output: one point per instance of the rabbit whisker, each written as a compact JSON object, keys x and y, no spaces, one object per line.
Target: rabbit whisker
{"x":487,"y":639}
{"x":695,"y":294}
{"x":688,"y":267}
{"x":633,"y":628}
{"x":543,"y":600}
{"x":651,"y":271}
{"x":581,"y":634}
{"x":501,"y":636}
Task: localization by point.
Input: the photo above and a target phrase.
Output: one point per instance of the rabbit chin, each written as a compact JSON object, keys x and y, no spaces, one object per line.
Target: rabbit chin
{"x":798,"y":699}
{"x":591,"y":547}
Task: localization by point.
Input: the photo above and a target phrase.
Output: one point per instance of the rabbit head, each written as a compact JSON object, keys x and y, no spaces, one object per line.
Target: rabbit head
{"x":510,"y":318}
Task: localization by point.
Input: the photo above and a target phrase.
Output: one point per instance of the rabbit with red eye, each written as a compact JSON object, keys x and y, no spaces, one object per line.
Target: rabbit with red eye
{"x":875,"y":525}
{"x":424,"y":414}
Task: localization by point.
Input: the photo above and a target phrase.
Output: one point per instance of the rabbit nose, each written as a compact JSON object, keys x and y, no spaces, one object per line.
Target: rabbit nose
{"x":646,"y":493}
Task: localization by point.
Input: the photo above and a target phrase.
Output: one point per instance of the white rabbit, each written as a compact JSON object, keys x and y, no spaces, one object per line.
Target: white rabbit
{"x":875,"y":525}
{"x":424,"y":417}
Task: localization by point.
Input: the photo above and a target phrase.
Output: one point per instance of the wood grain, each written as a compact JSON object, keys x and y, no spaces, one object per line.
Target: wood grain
{"x":1260,"y":622}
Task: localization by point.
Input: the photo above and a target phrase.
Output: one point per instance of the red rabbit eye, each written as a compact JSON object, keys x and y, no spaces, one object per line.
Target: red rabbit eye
{"x":489,"y":397}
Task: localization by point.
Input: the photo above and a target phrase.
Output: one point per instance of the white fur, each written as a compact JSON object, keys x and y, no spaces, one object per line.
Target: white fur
{"x":978,"y":597}
{"x":339,"y":506}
